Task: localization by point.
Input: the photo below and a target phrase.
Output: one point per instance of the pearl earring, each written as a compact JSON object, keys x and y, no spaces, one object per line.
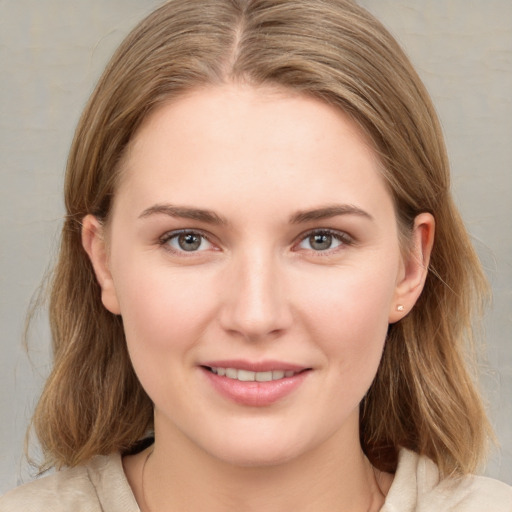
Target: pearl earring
{"x":400,"y":307}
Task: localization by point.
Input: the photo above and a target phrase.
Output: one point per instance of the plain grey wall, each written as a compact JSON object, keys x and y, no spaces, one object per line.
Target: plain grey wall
{"x":51,"y":54}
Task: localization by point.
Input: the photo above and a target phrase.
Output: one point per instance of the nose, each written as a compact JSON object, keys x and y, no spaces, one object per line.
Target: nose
{"x":255,"y":304}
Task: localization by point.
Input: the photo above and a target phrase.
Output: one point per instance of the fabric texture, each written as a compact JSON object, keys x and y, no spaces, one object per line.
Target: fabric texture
{"x":101,"y":486}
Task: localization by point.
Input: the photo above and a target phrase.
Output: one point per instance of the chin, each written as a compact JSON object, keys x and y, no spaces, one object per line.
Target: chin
{"x":256,"y":451}
{"x":257,"y":458}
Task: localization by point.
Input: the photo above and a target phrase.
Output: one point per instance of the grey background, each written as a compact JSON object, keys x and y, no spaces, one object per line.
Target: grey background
{"x":51,"y":54}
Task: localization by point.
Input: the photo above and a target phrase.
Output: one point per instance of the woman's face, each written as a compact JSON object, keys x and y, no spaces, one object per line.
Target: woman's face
{"x":253,"y":255}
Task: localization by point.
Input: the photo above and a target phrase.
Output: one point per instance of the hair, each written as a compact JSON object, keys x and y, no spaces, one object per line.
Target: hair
{"x":423,"y":397}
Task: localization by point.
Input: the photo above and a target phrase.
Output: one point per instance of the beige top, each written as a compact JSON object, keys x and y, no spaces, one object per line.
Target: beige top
{"x":101,"y":486}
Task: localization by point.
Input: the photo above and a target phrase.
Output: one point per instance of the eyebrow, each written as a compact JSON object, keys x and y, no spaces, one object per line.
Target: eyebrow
{"x":328,"y":212}
{"x":183,"y":212}
{"x":210,"y":217}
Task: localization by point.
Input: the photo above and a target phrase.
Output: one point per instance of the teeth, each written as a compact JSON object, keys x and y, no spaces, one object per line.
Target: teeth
{"x":263,"y":376}
{"x":245,"y":376}
{"x":248,"y":376}
{"x":231,"y":373}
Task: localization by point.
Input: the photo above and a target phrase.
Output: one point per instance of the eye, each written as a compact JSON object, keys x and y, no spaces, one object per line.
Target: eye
{"x":186,"y":241}
{"x":324,"y":240}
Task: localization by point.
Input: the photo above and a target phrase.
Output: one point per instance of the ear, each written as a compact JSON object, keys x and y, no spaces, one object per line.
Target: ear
{"x":93,"y":241}
{"x":414,"y":267}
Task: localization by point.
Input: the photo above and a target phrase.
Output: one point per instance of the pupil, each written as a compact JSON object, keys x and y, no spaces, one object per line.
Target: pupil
{"x":321,"y":242}
{"x":189,"y":242}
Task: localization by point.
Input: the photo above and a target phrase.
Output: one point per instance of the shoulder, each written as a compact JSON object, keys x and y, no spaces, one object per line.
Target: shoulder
{"x":98,"y":486}
{"x":66,"y":489}
{"x":418,"y":487}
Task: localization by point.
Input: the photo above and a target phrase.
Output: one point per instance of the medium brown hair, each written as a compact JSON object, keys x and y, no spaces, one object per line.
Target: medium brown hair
{"x":423,"y":397}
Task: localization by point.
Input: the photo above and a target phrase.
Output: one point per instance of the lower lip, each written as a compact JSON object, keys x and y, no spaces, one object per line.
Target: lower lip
{"x":255,"y":394}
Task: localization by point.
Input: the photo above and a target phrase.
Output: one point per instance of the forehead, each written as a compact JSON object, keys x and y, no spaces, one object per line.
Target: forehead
{"x":237,"y":139}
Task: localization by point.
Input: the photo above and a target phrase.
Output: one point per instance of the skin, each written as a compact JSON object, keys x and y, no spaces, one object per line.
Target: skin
{"x":257,"y":288}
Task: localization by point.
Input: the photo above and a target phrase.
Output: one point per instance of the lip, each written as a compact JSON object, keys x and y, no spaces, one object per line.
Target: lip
{"x":255,"y":366}
{"x":253,"y":393}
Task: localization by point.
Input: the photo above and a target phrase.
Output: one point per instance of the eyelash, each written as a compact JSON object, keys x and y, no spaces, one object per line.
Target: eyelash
{"x":165,"y":239}
{"x":344,"y":238}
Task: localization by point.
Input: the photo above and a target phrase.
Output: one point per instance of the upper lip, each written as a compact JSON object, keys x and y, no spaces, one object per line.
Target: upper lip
{"x":254,"y":366}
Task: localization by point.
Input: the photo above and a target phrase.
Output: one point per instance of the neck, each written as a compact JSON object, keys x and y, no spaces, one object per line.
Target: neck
{"x":180,"y":476}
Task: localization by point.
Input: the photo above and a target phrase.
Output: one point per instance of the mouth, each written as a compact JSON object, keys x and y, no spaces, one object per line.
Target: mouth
{"x":252,"y":376}
{"x":254,"y":384}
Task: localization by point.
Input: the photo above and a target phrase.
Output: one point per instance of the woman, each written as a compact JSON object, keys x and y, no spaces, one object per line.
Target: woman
{"x":263,"y":289}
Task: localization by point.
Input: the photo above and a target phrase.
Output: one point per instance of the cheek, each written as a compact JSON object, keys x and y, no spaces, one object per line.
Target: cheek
{"x":163,"y":309}
{"x":349,"y":318}
{"x":163,"y":318}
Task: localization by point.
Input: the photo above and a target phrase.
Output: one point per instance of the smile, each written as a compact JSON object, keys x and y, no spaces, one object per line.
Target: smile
{"x":256,"y":384}
{"x":250,"y":376}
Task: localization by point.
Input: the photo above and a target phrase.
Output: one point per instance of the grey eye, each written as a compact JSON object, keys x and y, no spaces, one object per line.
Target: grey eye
{"x":324,"y":240}
{"x":189,"y":241}
{"x":320,"y":241}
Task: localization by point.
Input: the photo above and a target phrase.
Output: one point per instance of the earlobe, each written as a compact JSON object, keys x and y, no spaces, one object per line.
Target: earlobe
{"x":95,"y":246}
{"x":415,"y":267}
